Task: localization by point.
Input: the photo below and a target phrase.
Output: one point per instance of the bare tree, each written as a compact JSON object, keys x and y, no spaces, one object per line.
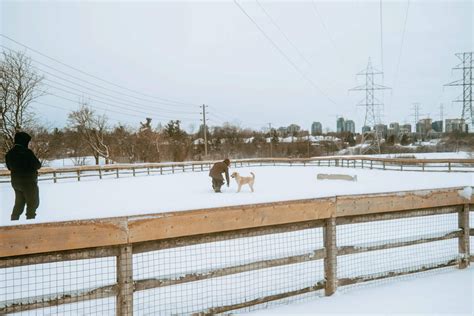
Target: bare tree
{"x":19,"y":87}
{"x":92,"y":128}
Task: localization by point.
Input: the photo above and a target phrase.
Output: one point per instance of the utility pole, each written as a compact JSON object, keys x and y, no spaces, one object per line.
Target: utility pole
{"x":204,"y":122}
{"x":271,"y":140}
{"x":466,"y":82}
{"x":370,"y":105}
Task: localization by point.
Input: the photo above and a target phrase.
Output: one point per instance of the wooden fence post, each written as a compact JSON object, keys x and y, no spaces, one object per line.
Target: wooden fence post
{"x":202,"y":167}
{"x":362,"y":164}
{"x":172,"y":168}
{"x":463,"y":220}
{"x":125,"y":281}
{"x":117,"y":172}
{"x":100,"y":173}
{"x":449,"y":166}
{"x":148,"y":170}
{"x":371,"y":164}
{"x":330,"y":261}
{"x":161,"y":170}
{"x":54,"y":177}
{"x":78,"y":175}
{"x":184,"y":168}
{"x":133,"y":170}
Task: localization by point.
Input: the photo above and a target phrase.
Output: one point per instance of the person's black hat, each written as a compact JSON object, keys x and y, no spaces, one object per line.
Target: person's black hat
{"x":22,"y":138}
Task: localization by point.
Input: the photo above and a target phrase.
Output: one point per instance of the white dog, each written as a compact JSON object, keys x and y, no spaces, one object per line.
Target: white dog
{"x":244,"y":180}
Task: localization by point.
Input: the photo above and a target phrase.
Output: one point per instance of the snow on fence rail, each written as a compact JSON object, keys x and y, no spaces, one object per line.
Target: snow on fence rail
{"x":236,"y":258}
{"x":118,"y":170}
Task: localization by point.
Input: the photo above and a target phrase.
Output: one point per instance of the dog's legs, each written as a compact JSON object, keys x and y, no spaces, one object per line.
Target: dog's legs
{"x":240,"y":186}
{"x":251,"y":186}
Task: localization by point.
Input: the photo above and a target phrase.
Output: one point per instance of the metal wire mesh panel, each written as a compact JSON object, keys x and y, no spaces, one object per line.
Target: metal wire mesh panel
{"x":227,"y":275}
{"x":58,"y":288}
{"x":375,"y":250}
{"x":471,"y":226}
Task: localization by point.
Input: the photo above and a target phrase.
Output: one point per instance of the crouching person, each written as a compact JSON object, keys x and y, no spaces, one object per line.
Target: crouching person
{"x":216,"y":174}
{"x":23,"y":166}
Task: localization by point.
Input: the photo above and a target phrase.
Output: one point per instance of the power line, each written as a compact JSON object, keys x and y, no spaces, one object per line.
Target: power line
{"x":283,"y":54}
{"x":283,"y":33}
{"x":99,"y":101}
{"x":110,"y":110}
{"x":177,"y":103}
{"x":117,"y":100}
{"x":85,"y":81}
{"x":102,"y":93}
{"x":381,"y":36}
{"x":69,"y":110}
{"x":326,"y":30}
{"x":401,"y":44}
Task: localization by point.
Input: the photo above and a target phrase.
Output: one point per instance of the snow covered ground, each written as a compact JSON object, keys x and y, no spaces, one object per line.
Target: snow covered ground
{"x":94,"y":198}
{"x":443,"y":292}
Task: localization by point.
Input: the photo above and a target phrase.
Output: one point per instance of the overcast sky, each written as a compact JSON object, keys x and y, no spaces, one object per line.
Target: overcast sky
{"x":212,"y":53}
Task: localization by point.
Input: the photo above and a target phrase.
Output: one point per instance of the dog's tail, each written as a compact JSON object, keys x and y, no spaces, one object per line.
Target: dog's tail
{"x":253,"y":175}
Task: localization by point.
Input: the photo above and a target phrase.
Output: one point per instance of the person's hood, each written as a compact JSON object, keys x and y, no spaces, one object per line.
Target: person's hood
{"x":22,"y":138}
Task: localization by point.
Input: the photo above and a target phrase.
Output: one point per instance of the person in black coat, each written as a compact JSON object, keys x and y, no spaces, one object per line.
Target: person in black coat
{"x":23,"y":166}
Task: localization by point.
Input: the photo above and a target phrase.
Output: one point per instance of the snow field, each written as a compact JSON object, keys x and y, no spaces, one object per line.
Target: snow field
{"x":94,"y":198}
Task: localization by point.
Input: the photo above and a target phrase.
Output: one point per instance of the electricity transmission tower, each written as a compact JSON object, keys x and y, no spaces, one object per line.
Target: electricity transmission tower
{"x":371,"y":104}
{"x":204,"y":122}
{"x":416,"y":113}
{"x":466,"y":82}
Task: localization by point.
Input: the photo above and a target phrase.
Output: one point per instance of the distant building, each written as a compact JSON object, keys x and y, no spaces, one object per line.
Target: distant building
{"x":345,"y":125}
{"x":437,"y":126}
{"x":294,"y":128}
{"x":282,"y":131}
{"x":423,"y":127}
{"x":381,"y":129}
{"x":316,"y":128}
{"x":395,"y":128}
{"x":405,"y":129}
{"x":366,"y":129}
{"x":340,"y":125}
{"x":456,"y":125}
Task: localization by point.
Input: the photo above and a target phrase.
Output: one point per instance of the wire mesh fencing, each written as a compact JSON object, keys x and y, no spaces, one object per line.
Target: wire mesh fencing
{"x":236,"y":271}
{"x":376,"y":250}
{"x":220,"y":276}
{"x":84,"y":285}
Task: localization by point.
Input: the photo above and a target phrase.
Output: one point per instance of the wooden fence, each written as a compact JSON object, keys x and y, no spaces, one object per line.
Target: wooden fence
{"x":120,"y":170}
{"x":126,"y":237}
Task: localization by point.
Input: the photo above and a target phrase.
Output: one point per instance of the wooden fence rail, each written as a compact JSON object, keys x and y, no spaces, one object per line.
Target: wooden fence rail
{"x":120,"y":170}
{"x":125,"y":237}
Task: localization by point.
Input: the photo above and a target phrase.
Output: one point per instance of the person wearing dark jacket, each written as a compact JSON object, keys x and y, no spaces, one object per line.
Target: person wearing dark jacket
{"x":23,"y":166}
{"x":216,"y":174}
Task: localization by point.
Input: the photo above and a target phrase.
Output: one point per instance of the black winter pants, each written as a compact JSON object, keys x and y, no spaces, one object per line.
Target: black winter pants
{"x":217,"y":184}
{"x":26,"y":192}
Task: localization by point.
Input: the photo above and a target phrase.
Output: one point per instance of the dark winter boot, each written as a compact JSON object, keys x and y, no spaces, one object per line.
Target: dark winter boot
{"x":31,"y":216}
{"x":15,"y":217}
